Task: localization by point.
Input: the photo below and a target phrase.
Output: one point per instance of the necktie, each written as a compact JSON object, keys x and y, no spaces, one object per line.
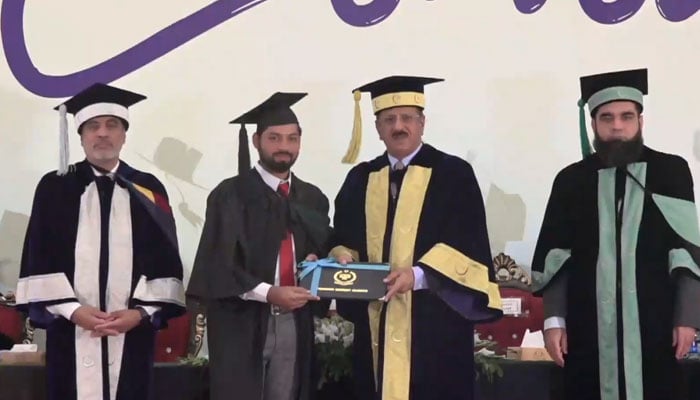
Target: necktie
{"x":393,"y":186}
{"x":105,"y":189}
{"x":286,"y":252}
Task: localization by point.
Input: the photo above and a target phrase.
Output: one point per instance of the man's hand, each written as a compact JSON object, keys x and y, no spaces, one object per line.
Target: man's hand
{"x":122,"y":321}
{"x":683,"y":337}
{"x":88,"y":317}
{"x":556,"y":344}
{"x":399,"y":281}
{"x":289,"y":297}
{"x":344,"y":259}
{"x":312,"y":257}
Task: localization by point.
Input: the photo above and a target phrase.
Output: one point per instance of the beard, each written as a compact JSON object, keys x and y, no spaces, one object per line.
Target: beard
{"x":272,"y":165}
{"x":617,"y":152}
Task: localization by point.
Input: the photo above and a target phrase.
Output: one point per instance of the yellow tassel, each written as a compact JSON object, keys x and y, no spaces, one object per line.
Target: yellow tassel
{"x":356,"y":139}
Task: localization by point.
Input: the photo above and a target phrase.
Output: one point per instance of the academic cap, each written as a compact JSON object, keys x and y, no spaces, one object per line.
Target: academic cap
{"x":275,"y":110}
{"x":389,"y":92}
{"x":600,"y":89}
{"x":97,"y":100}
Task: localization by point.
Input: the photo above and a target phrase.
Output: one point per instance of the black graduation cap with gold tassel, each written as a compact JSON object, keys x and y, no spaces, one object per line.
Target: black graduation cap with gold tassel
{"x":275,"y":110}
{"x":389,"y":92}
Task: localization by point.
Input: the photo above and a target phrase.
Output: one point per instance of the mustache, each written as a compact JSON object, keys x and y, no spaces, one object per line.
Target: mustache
{"x":282,"y":153}
{"x":618,"y":153}
{"x":397,"y":133}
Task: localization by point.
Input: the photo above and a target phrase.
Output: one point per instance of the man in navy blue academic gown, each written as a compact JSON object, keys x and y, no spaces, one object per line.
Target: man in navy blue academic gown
{"x":420,"y":210}
{"x":100,"y":269}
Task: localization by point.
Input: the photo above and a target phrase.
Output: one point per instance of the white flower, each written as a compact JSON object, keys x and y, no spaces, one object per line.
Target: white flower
{"x":333,"y":330}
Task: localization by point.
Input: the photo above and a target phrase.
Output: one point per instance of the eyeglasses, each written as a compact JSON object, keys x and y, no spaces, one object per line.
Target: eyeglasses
{"x":404,"y":118}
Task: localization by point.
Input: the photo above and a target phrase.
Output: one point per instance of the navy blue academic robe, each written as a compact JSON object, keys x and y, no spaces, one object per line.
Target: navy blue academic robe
{"x":113,"y":257}
{"x":421,"y":342}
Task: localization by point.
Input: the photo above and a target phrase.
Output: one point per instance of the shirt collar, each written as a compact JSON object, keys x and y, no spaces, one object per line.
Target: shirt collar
{"x":111,"y":173}
{"x":406,"y":160}
{"x":270,"y":180}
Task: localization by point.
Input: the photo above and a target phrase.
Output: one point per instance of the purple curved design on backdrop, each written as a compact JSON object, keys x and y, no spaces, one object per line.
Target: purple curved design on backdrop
{"x":148,"y":50}
{"x":529,"y":6}
{"x":364,"y":15}
{"x":610,"y":13}
{"x":208,"y":17}
{"x":677,"y":10}
{"x":620,"y":10}
{"x":151,"y":48}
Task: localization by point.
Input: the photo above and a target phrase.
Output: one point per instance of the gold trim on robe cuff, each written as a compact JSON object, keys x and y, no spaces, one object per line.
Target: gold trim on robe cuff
{"x":339,"y":251}
{"x":469,"y":273}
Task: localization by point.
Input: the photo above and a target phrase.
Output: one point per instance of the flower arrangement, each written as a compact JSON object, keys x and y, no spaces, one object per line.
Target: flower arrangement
{"x":196,"y":361}
{"x":485,"y":360}
{"x":333,"y":337}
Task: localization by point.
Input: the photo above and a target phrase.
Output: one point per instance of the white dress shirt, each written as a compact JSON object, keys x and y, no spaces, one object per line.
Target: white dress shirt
{"x":259,"y":293}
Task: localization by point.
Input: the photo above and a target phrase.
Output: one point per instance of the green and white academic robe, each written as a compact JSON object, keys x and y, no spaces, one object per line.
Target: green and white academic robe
{"x":617,"y":258}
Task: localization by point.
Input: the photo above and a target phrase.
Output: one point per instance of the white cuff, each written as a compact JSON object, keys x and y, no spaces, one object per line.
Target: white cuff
{"x":259,"y":293}
{"x":419,"y":281}
{"x":64,"y":310}
{"x":166,"y":290}
{"x":554,"y":322}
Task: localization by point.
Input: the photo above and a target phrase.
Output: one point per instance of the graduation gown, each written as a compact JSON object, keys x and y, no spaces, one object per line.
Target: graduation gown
{"x":615,"y":261}
{"x":419,"y":345}
{"x":70,"y":255}
{"x":245,"y":223}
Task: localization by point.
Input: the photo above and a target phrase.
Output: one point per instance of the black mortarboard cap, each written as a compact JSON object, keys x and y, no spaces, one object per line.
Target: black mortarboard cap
{"x":592,"y":84}
{"x":97,"y":100}
{"x":275,"y":110}
{"x":389,"y":92}
{"x":600,"y":89}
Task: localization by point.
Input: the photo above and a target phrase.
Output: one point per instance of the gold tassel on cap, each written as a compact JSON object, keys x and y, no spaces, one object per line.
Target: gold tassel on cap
{"x":356,"y":139}
{"x":63,"y":146}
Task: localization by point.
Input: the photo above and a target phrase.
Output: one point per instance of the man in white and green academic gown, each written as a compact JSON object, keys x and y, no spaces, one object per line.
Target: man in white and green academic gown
{"x":617,"y":256}
{"x":100,"y":269}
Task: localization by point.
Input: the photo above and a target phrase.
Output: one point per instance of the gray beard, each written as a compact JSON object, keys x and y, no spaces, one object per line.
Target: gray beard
{"x":618,"y":153}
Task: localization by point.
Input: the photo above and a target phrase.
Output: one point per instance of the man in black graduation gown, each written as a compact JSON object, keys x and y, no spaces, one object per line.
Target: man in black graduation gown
{"x":420,"y":210}
{"x":100,"y":269}
{"x":616,"y":259}
{"x":259,"y":225}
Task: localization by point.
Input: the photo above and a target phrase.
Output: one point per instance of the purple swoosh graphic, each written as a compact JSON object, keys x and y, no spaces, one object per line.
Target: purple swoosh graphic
{"x":529,"y":6}
{"x":151,"y":48}
{"x":620,"y":10}
{"x":611,"y":13}
{"x":677,"y":10}
{"x":208,"y":17}
{"x":365,"y":15}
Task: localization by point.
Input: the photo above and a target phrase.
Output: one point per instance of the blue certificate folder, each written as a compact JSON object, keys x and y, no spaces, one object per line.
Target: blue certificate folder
{"x":329,"y":279}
